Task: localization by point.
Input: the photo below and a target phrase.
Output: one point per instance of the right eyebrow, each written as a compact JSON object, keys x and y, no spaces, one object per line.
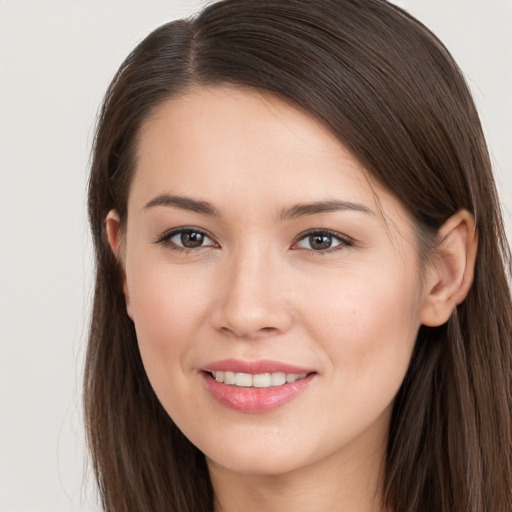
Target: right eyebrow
{"x":183,"y":203}
{"x":303,"y":209}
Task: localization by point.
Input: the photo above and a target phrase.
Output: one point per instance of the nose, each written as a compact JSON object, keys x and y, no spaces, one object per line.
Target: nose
{"x":252,"y":302}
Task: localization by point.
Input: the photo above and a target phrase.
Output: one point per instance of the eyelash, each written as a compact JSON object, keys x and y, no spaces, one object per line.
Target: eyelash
{"x":343,"y":241}
{"x":166,"y":239}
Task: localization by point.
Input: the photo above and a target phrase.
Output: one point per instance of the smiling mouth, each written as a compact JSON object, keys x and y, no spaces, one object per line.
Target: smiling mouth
{"x":260,"y":386}
{"x":259,"y":380}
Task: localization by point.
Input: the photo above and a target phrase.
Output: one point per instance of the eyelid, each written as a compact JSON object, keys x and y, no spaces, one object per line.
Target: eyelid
{"x":345,"y":241}
{"x":165,"y":238}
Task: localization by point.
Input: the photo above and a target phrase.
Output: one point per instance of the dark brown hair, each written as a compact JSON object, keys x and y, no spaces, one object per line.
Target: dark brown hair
{"x":392,"y":94}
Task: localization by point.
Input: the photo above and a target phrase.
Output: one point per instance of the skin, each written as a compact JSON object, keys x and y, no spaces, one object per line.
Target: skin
{"x":257,"y":289}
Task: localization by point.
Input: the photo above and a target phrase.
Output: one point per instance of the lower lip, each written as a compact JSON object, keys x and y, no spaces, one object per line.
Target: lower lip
{"x":254,"y":400}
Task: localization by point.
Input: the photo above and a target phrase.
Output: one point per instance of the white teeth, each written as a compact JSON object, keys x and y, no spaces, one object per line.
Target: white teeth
{"x":243,"y":380}
{"x":260,"y":380}
{"x":277,"y":379}
{"x":229,"y":377}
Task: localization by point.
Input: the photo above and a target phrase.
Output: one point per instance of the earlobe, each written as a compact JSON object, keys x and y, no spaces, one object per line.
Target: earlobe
{"x":115,"y":240}
{"x":450,"y":275}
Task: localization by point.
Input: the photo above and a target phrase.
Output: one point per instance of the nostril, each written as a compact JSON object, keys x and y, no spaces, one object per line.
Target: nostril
{"x":247,"y":335}
{"x":238,"y":319}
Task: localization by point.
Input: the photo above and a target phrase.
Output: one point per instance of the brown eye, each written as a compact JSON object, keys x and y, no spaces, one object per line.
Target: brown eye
{"x":321,"y":241}
{"x":186,"y":239}
{"x":192,"y":239}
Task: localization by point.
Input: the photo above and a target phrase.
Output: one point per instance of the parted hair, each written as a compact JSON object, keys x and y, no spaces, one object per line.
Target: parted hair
{"x":389,"y":90}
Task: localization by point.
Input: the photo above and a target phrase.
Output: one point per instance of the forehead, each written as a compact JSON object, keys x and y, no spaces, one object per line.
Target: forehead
{"x":239,"y":147}
{"x":253,"y":124}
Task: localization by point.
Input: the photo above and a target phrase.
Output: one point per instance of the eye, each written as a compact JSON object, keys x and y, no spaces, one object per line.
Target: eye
{"x":321,"y":241}
{"x":186,"y":239}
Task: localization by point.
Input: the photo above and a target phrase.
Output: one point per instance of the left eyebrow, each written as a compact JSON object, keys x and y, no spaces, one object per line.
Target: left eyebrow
{"x":303,"y":209}
{"x":183,"y":203}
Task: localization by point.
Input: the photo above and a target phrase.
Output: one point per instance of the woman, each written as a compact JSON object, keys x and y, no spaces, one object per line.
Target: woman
{"x":301,"y":291}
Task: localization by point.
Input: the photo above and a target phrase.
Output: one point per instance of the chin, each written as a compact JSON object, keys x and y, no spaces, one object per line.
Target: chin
{"x":257,"y":462}
{"x":261,"y":453}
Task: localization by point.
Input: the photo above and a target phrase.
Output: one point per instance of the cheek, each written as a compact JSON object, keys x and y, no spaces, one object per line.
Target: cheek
{"x":168,"y":307}
{"x":367,"y":326}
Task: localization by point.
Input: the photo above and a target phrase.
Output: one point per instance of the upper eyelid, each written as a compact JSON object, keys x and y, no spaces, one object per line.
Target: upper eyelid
{"x":167,"y":235}
{"x":330,"y":232}
{"x":345,"y":242}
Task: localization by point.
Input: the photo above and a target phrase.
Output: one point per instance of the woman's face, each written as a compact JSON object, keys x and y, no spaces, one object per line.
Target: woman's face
{"x":258,"y":253}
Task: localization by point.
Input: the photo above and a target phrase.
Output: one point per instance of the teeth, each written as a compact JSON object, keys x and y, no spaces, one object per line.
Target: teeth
{"x":277,"y":379}
{"x":243,"y":380}
{"x":260,"y":380}
{"x":229,"y":377}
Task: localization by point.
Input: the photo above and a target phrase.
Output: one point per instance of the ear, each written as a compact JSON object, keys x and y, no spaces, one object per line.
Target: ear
{"x":450,"y":275}
{"x":115,"y":240}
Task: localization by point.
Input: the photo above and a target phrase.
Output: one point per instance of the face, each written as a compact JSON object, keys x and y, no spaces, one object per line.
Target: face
{"x":274,"y":288}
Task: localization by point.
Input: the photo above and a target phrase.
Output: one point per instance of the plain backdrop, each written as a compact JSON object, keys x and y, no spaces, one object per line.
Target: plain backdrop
{"x":56,"y":60}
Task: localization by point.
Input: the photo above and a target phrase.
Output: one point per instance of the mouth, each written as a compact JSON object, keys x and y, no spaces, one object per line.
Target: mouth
{"x":257,"y":386}
{"x":259,"y":380}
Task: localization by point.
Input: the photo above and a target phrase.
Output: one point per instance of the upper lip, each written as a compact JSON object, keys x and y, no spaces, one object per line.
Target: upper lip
{"x":254,"y":367}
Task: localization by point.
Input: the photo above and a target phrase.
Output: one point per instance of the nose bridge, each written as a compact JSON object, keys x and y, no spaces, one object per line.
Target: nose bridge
{"x":253,"y":302}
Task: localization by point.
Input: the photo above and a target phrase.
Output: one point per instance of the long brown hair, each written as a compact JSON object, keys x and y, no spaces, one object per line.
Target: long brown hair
{"x":392,"y":94}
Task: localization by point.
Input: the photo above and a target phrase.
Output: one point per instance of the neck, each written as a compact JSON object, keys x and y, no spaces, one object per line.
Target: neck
{"x":350,"y":482}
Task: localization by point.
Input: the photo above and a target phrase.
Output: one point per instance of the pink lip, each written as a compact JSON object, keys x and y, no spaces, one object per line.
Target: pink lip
{"x":254,"y":367}
{"x":255,"y":400}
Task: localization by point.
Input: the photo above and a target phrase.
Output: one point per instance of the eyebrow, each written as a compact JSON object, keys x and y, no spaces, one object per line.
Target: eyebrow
{"x":298,"y":210}
{"x":303,"y":209}
{"x":183,"y":203}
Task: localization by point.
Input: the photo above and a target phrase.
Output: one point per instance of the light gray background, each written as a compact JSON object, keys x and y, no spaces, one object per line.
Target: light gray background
{"x":57,"y":58}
